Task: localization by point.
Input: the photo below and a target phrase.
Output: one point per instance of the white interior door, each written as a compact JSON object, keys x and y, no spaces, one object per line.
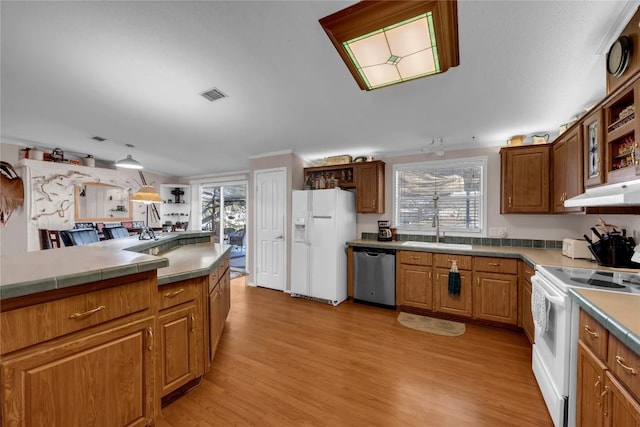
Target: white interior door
{"x":271,"y":205}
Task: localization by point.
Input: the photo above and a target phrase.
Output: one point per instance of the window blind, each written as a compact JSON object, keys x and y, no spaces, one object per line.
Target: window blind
{"x":460,"y":187}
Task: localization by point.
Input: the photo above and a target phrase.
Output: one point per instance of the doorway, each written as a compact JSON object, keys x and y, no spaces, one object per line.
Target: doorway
{"x":224,"y":211}
{"x":270,"y":225}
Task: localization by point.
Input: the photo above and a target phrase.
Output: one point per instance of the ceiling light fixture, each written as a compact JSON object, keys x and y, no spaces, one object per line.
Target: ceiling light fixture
{"x":389,"y":42}
{"x":129,"y":163}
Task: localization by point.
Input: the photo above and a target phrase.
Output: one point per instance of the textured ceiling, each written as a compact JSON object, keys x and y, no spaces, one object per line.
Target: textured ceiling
{"x":132,"y":72}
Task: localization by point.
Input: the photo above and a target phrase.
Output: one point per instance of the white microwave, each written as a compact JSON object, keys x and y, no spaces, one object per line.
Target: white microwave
{"x":576,"y":248}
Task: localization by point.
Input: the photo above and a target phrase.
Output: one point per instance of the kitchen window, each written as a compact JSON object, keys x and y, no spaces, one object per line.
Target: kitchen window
{"x":461,"y":187}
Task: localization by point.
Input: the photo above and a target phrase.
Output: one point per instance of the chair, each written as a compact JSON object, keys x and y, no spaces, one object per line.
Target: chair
{"x":115,"y":233}
{"x":83,"y":225}
{"x":237,"y":237}
{"x":49,"y":239}
{"x":79,"y":236}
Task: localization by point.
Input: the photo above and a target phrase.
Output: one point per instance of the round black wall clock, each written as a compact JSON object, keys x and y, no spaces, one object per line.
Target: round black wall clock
{"x":619,"y":56}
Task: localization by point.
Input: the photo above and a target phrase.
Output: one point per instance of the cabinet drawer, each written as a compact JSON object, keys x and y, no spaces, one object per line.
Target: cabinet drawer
{"x":496,"y":265}
{"x":594,"y":335}
{"x":444,"y":261}
{"x":41,"y":322}
{"x":416,"y":258}
{"x":177,"y":293}
{"x":624,"y":364}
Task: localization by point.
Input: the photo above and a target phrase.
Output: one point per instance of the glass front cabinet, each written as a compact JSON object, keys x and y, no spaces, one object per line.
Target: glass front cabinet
{"x":594,"y":148}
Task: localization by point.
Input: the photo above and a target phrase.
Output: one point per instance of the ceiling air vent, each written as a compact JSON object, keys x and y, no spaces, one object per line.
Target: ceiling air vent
{"x":214,"y":94}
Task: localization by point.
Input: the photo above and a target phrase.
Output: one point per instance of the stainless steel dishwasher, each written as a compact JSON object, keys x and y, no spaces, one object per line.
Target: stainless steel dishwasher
{"x":374,"y":277}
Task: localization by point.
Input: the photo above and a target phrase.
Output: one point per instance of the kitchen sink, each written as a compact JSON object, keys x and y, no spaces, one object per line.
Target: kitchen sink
{"x":436,"y":245}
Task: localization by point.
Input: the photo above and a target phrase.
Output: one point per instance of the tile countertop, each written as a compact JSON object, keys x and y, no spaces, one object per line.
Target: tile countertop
{"x":532,"y":256}
{"x":187,"y":256}
{"x":618,"y":312}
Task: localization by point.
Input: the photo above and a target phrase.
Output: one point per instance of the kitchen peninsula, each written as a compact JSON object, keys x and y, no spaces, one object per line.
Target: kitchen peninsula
{"x":114,"y":327}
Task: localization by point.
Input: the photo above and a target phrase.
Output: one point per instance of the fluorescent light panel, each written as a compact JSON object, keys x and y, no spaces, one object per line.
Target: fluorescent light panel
{"x":397,"y":53}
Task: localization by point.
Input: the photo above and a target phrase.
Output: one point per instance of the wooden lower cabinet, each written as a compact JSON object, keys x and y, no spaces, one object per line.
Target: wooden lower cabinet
{"x":621,"y":408}
{"x":103,"y":379}
{"x":459,"y":304}
{"x":525,"y":316}
{"x":180,"y":334}
{"x":219,"y":303}
{"x":495,"y":297}
{"x":215,"y":320}
{"x":414,"y":285}
{"x":590,"y":385}
{"x":607,"y":387}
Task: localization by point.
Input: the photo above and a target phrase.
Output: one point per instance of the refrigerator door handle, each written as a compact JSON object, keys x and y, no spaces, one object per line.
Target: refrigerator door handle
{"x":322,"y":216}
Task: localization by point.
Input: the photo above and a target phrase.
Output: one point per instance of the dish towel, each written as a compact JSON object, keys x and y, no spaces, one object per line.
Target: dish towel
{"x":539,"y":308}
{"x":454,"y":280}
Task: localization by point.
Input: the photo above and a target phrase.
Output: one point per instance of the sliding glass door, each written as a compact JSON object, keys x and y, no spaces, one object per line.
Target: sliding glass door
{"x":224,"y":210}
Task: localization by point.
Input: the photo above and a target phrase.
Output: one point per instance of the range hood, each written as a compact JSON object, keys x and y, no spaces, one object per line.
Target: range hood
{"x":622,"y":194}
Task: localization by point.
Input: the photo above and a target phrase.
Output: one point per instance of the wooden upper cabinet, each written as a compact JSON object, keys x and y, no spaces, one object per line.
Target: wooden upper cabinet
{"x":525,"y":179}
{"x":594,"y":149}
{"x":621,"y":131}
{"x":568,"y":180}
{"x":369,"y":179}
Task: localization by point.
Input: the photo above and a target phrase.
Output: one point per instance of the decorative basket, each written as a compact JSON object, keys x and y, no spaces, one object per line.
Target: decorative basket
{"x":337,"y":160}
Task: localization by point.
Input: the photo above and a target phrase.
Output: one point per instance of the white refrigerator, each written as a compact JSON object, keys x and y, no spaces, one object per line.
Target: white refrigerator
{"x":323,"y":221}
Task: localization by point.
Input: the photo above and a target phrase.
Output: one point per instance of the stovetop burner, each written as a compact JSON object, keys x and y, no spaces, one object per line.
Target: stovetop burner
{"x":566,"y":277}
{"x":596,"y":282}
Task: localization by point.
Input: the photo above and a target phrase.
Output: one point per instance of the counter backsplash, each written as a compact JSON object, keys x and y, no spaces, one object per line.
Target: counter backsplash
{"x":520,"y":243}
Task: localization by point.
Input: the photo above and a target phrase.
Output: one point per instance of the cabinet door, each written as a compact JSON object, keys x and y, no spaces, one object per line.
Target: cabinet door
{"x":525,"y":179}
{"x":560,"y":161}
{"x":495,"y":297}
{"x":178,"y":348}
{"x":567,"y":170}
{"x":215,"y":320}
{"x":620,"y":408}
{"x":446,"y":303}
{"x":416,"y":288}
{"x":105,"y":379}
{"x":225,"y":294}
{"x":590,"y":385}
{"x":370,"y":187}
{"x":525,"y":317}
{"x":594,"y":154}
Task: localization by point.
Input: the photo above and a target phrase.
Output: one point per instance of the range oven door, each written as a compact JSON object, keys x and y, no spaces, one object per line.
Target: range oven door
{"x":550,"y":359}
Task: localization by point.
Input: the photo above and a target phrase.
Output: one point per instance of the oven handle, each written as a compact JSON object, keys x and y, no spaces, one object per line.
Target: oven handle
{"x":555,"y":300}
{"x":550,"y":293}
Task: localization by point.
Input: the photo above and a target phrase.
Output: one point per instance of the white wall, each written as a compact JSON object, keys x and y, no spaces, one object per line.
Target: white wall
{"x":539,"y":227}
{"x":20,"y":233}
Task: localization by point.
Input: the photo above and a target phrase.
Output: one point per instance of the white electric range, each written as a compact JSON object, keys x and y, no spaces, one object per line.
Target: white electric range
{"x":554,"y":358}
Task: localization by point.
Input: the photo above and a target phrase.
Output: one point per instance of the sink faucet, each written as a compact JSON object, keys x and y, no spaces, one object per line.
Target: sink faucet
{"x":436,"y":217}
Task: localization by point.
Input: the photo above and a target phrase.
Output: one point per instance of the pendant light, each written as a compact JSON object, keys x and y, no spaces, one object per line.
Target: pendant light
{"x":147,"y":195}
{"x":129,"y":163}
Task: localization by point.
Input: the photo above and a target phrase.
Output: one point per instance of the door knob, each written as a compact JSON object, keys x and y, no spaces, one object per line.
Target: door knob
{"x":279,"y":238}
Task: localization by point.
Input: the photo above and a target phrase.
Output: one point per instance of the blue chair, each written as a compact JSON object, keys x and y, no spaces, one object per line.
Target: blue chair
{"x":115,"y":233}
{"x":79,"y":236}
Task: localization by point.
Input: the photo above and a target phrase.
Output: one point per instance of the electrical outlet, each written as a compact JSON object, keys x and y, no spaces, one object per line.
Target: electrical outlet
{"x":498,"y":232}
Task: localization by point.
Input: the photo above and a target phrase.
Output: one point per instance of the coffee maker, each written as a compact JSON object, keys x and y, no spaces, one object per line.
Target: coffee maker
{"x":384,"y":231}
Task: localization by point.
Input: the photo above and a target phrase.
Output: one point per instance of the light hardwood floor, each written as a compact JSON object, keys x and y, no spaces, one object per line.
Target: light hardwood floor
{"x":286,"y":361}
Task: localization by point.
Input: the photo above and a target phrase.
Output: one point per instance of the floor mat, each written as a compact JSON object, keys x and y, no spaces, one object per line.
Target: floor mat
{"x":431,"y":325}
